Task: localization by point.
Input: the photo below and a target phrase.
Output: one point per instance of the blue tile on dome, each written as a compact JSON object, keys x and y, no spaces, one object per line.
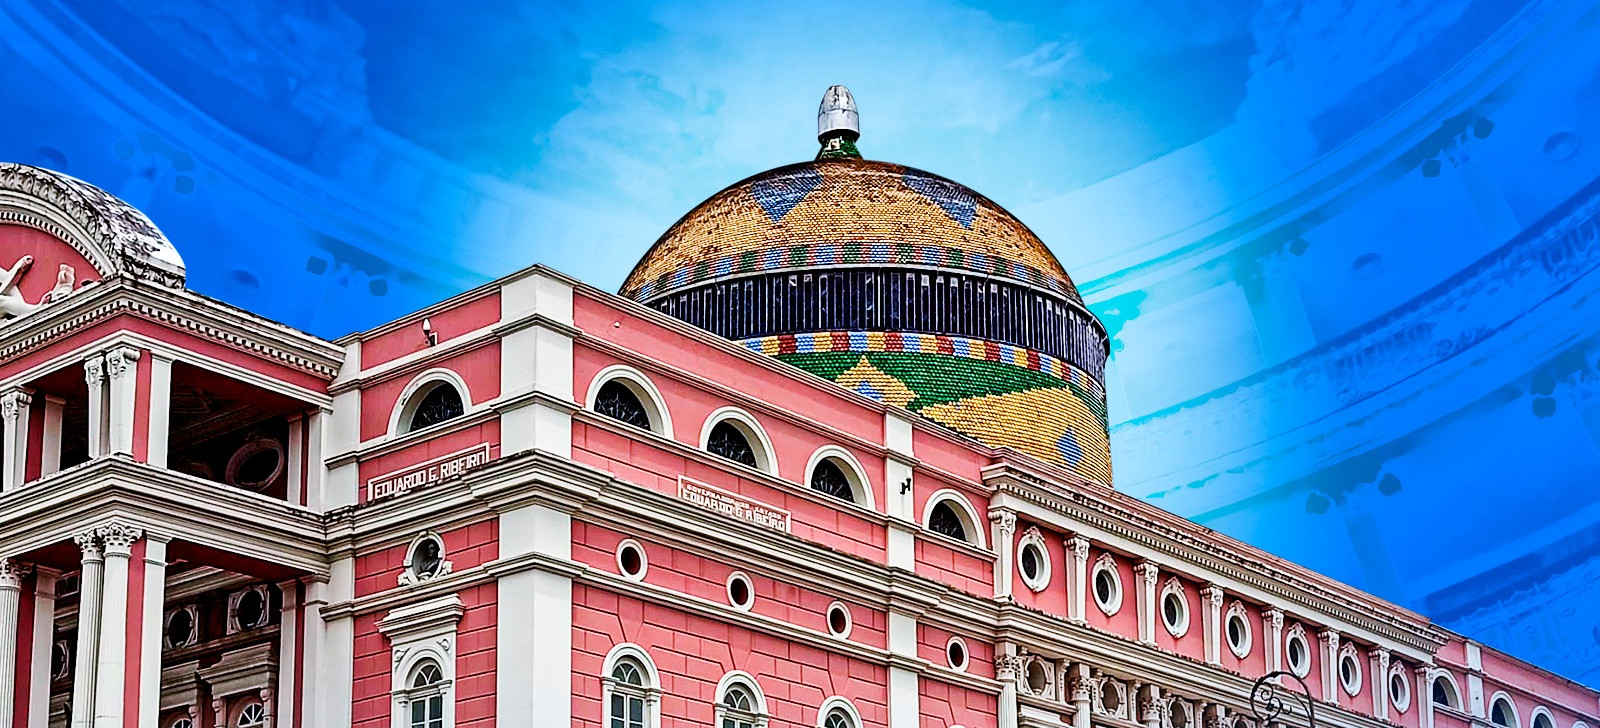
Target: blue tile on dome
{"x":1068,"y":445}
{"x":957,"y":202}
{"x":778,"y":195}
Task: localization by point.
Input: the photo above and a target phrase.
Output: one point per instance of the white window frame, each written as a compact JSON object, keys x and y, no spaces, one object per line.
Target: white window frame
{"x":655,"y":406}
{"x":966,"y":655}
{"x":1237,"y":610}
{"x":1533,"y":718}
{"x":237,"y":720}
{"x":746,"y":423}
{"x":413,"y":693}
{"x":841,"y":704}
{"x":739,"y":677}
{"x":849,"y":619}
{"x":1106,"y":563}
{"x":644,"y":560}
{"x":1455,"y":689}
{"x":1174,"y":587}
{"x":853,"y":472}
{"x":1297,"y":633}
{"x":408,"y":576}
{"x":1488,"y":713}
{"x":1403,"y":704}
{"x":1041,"y":581}
{"x":417,"y":632}
{"x":963,"y":510}
{"x":1352,"y":687}
{"x":418,"y":388}
{"x":652,"y":687}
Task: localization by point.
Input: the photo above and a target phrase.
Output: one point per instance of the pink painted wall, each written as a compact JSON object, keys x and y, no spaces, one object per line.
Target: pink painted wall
{"x":688,"y":573}
{"x":1125,"y":622}
{"x":960,"y":568}
{"x":1053,"y":599}
{"x":474,"y":689}
{"x":945,"y":704}
{"x":674,"y":350}
{"x":1192,"y":643}
{"x":464,"y":546}
{"x":692,"y":653}
{"x":48,"y":252}
{"x":933,"y":642}
{"x":478,"y":367}
{"x":407,"y":337}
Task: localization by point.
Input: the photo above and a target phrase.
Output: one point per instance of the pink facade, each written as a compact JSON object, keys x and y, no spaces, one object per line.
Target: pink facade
{"x":213,"y":520}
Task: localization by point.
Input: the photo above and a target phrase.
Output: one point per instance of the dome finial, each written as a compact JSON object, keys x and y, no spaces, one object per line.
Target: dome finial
{"x":838,"y":124}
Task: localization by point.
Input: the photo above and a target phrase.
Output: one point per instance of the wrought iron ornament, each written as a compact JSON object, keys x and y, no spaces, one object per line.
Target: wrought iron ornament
{"x":1269,"y":706}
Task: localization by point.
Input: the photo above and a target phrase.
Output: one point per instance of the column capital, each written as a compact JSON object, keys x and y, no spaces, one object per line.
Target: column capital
{"x":1079,"y":546}
{"x":1274,"y":618}
{"x":12,"y":402}
{"x":1213,"y":595}
{"x":1149,"y":571}
{"x":1330,"y":637}
{"x":119,"y":361}
{"x":1006,"y":520}
{"x":12,"y":573}
{"x":118,"y":537}
{"x":94,"y":370}
{"x":89,"y":543}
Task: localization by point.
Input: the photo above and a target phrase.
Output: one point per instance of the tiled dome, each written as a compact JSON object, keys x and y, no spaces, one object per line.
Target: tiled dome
{"x":901,"y":285}
{"x":844,"y":211}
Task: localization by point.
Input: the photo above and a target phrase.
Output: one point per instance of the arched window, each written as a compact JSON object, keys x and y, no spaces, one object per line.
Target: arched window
{"x":1502,"y":712}
{"x":617,"y":401}
{"x":1541,"y":719}
{"x":727,"y":441}
{"x":626,"y":395}
{"x":1444,"y":693}
{"x":425,"y":696}
{"x":253,"y":715}
{"x":948,"y":514}
{"x":182,"y":723}
{"x":627,"y":694}
{"x":434,"y":396}
{"x":836,"y":712}
{"x":740,"y":703}
{"x":630,"y":687}
{"x":829,"y":478}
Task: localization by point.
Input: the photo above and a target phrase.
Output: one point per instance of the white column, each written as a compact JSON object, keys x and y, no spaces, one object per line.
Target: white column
{"x":1147,"y":572}
{"x":50,"y":453}
{"x":154,"y":600}
{"x":316,"y":468}
{"x":905,"y":690}
{"x":1423,"y":697}
{"x":1379,"y":682}
{"x":1007,"y":670}
{"x":90,"y":587}
{"x":330,"y":648}
{"x":122,"y":374}
{"x":1211,"y":602}
{"x":1330,"y":665}
{"x":1274,"y":620}
{"x":11,"y":574}
{"x":43,"y":639}
{"x":1079,"y":688}
{"x":533,"y":680}
{"x":288,"y":664}
{"x":111,"y":667}
{"x":1003,"y":526}
{"x":160,"y":408}
{"x":297,"y":458}
{"x":14,"y":410}
{"x":1150,"y":707}
{"x":94,"y":374}
{"x":1077,"y":578}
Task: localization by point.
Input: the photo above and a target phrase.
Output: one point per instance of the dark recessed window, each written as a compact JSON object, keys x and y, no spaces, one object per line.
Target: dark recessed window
{"x":618,"y":402}
{"x":251,"y":611}
{"x":1030,"y":562}
{"x":956,"y":654}
{"x":838,"y":620}
{"x":944,"y":521}
{"x":426,"y":558}
{"x":1443,"y":694}
{"x":630,"y":559}
{"x":727,"y":441}
{"x":180,"y":628}
{"x":829,"y":478}
{"x":740,"y":594}
{"x":441,"y":403}
{"x":1501,"y":715}
{"x":1105,"y":586}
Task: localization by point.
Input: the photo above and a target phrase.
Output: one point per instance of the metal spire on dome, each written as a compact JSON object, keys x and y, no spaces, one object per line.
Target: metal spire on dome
{"x":838,"y":125}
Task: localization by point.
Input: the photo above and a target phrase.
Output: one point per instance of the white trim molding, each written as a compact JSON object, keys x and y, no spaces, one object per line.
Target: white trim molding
{"x":758,"y":698}
{"x":1174,"y":587}
{"x":1499,"y":695}
{"x":418,"y":632}
{"x":750,"y":427}
{"x":963,"y":508}
{"x":650,"y":692}
{"x":1237,"y":610}
{"x":655,"y":406}
{"x":840,"y":704}
{"x":1041,"y":578}
{"x":853,"y":472}
{"x":415,"y":390}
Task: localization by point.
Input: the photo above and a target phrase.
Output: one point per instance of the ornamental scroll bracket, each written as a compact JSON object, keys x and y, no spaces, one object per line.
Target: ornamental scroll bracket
{"x":1274,"y":700}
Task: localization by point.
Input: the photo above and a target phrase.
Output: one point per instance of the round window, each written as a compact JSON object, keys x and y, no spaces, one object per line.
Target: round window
{"x":1178,"y":715}
{"x":1399,"y":692}
{"x":251,"y":611}
{"x":1038,"y":676}
{"x":1350,"y":674}
{"x":1238,"y":634}
{"x":955,"y":653}
{"x":1175,"y":613}
{"x":740,"y":594}
{"x":1299,"y":655}
{"x":838,"y":620}
{"x":1033,"y":563}
{"x":1107,"y":589}
{"x":631,"y":560}
{"x":180,"y":628}
{"x":1110,"y":698}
